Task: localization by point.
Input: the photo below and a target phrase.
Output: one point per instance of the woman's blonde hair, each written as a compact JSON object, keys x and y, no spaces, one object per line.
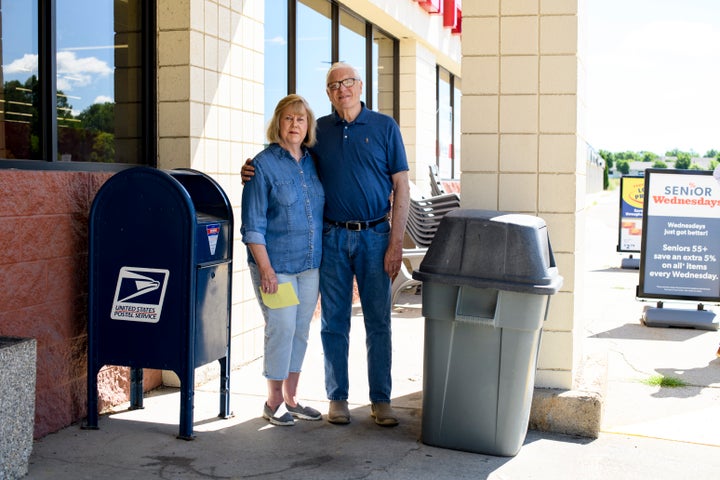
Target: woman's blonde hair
{"x":297,"y":104}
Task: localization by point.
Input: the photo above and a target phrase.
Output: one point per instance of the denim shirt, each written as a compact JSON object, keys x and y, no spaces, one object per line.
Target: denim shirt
{"x":282,"y":208}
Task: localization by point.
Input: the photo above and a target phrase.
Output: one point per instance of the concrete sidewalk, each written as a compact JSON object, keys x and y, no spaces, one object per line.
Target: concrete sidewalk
{"x":647,"y":432}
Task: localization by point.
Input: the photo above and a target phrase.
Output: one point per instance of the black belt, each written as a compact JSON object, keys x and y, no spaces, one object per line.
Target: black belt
{"x":357,"y":226}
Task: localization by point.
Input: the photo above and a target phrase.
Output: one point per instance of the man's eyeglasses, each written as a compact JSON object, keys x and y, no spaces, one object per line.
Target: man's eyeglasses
{"x":347,"y":83}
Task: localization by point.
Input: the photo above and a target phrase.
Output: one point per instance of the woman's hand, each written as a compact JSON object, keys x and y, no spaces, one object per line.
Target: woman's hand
{"x":268,"y":280}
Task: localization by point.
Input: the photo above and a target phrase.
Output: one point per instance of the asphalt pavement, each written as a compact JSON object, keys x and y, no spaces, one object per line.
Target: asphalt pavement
{"x":647,"y":431}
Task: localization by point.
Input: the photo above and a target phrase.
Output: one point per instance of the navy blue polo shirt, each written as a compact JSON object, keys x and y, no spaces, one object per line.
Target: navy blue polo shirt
{"x":356,"y":161}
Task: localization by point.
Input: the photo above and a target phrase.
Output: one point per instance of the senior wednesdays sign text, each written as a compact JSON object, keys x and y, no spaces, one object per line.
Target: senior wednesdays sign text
{"x":681,"y":236}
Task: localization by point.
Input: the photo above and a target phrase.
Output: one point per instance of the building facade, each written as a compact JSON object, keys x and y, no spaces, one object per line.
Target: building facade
{"x":489,"y":91}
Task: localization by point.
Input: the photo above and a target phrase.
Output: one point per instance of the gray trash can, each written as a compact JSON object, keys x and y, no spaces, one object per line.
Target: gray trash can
{"x":487,"y":281}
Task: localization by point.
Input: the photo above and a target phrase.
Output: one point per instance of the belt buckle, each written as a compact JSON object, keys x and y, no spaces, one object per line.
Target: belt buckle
{"x":354,"y":226}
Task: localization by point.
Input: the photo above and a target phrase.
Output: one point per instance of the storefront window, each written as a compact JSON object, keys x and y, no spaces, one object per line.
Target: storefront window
{"x":323,"y":32}
{"x":352,"y":43}
{"x":444,"y":124}
{"x":98,"y":81}
{"x":457,"y":133}
{"x":276,"y":55}
{"x":448,"y":124}
{"x":19,"y":72}
{"x":84,"y":96}
{"x":383,"y":51}
{"x":314,"y":53}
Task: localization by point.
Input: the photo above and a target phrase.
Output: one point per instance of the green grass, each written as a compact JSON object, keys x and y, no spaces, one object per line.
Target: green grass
{"x":663,"y":381}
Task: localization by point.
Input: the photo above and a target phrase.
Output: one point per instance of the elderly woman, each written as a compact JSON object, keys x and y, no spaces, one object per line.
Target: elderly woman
{"x":282,"y":222}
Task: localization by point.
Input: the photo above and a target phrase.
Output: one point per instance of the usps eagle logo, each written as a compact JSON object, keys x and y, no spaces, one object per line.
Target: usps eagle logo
{"x":139,"y":294}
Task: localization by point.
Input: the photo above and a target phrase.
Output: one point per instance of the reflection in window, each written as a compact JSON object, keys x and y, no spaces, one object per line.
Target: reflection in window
{"x":19,"y":114}
{"x":314,"y":54}
{"x":303,"y":60}
{"x":276,"y":54}
{"x":383,"y":73}
{"x":352,"y":42}
{"x":457,"y":134}
{"x":448,"y":124}
{"x":99,"y":109}
{"x":444,"y":124}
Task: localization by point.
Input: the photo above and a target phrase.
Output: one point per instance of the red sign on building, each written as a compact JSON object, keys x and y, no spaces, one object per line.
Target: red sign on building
{"x":451,"y":10}
{"x":431,"y":6}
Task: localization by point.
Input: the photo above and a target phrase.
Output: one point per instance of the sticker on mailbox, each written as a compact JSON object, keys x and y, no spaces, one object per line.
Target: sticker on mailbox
{"x":139,"y":294}
{"x":213,"y":231}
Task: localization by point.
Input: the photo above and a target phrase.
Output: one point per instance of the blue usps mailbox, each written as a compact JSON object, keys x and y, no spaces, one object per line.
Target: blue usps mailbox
{"x":160,"y":267}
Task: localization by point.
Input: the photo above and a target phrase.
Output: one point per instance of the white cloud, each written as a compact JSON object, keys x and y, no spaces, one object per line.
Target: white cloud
{"x":276,"y":41}
{"x":28,"y":64}
{"x":78,"y":72}
{"x":72,"y":71}
{"x":103,"y":99}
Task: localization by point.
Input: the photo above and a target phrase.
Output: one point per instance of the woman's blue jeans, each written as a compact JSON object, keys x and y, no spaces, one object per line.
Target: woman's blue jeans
{"x":287,"y":329}
{"x":359,"y":254}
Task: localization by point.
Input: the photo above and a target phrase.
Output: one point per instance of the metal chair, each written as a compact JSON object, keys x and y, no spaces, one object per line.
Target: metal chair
{"x":412,"y":257}
{"x":435,"y":185}
{"x":424,"y":216}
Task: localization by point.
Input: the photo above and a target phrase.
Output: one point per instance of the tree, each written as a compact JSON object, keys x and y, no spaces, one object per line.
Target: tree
{"x":711,"y":153}
{"x":648,"y":156}
{"x":99,"y":117}
{"x":103,"y":148}
{"x":659,"y":164}
{"x":623,"y":166}
{"x":608,"y":157}
{"x":683,"y":161}
{"x":629,"y":156}
{"x":606,"y":179}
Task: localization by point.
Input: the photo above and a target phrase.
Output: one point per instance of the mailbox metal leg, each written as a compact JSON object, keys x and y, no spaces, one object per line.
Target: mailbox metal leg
{"x":92,"y":399}
{"x":187,"y":401}
{"x":225,"y":387}
{"x":136,"y":388}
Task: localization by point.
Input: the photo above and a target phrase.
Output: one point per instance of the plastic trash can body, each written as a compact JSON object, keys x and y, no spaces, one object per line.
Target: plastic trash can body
{"x":484,"y":304}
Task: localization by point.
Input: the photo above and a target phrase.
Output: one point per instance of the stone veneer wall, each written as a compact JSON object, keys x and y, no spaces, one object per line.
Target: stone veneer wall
{"x":17,"y":405}
{"x":43,"y":289}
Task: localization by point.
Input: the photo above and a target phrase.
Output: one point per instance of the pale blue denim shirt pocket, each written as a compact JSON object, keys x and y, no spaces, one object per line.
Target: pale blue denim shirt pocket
{"x":285,"y":192}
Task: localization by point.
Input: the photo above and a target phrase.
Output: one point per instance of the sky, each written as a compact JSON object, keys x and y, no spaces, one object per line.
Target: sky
{"x":653,"y":75}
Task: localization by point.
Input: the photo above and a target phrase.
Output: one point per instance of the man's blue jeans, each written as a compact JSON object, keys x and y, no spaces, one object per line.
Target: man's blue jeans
{"x":361,"y":254}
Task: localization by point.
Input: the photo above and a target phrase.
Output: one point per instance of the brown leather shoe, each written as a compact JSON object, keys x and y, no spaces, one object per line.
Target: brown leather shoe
{"x":383,"y":414}
{"x":338,"y":413}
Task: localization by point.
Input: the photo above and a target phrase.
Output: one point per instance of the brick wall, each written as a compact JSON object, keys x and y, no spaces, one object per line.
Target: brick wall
{"x":43,"y":289}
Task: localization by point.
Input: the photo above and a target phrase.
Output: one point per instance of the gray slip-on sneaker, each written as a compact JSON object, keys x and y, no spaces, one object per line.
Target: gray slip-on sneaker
{"x":280,"y":416}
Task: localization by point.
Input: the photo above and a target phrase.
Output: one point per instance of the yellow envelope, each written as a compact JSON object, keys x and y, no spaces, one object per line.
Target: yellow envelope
{"x":284,"y":297}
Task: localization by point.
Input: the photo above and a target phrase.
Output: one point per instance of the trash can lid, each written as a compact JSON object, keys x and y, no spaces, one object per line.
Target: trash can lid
{"x":490,"y":249}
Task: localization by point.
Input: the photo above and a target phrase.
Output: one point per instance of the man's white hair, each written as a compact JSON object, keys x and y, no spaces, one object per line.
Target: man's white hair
{"x":341,"y":65}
